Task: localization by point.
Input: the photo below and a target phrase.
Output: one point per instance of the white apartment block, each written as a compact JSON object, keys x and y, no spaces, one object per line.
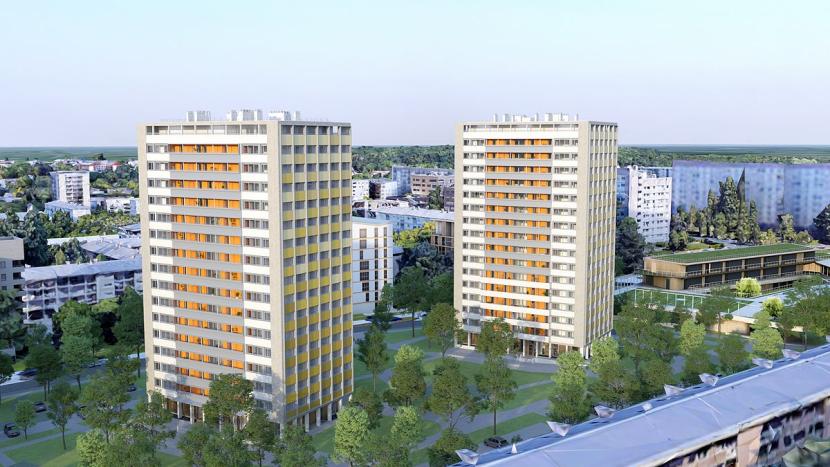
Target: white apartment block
{"x":75,"y":211}
{"x":71,"y":187}
{"x":646,"y":197}
{"x":47,"y":288}
{"x":407,"y":218}
{"x":112,"y":203}
{"x":246,"y":247}
{"x":372,"y":262}
{"x":534,"y":230}
{"x":360,"y":189}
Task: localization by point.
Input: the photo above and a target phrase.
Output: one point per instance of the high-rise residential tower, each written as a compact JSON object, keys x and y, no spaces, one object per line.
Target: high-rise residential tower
{"x":246,"y":242}
{"x":645,"y":195}
{"x":535,"y":228}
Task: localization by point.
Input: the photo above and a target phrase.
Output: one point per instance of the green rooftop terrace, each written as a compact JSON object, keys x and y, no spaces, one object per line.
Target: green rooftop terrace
{"x":733,"y":253}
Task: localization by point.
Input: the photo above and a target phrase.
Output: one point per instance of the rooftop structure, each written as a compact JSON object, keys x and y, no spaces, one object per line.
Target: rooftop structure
{"x":406,"y":218}
{"x":749,"y":418}
{"x":75,"y":211}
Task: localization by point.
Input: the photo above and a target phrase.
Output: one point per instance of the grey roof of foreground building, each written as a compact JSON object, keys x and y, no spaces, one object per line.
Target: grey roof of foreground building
{"x":664,"y":428}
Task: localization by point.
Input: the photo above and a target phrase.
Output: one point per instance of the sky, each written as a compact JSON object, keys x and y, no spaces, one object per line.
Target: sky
{"x":87,"y":73}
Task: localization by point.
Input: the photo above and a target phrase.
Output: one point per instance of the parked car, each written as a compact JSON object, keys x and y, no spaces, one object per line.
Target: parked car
{"x":40,"y":406}
{"x":28,"y":372}
{"x":11,"y":430}
{"x":131,"y":388}
{"x":495,"y":442}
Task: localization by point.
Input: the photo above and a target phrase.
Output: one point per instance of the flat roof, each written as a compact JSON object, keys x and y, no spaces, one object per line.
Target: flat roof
{"x":680,"y":424}
{"x":416,"y":212}
{"x":732,"y":253}
{"x":83,"y":269}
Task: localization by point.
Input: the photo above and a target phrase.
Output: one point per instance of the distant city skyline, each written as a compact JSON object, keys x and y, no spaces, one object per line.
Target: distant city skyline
{"x":743,"y":72}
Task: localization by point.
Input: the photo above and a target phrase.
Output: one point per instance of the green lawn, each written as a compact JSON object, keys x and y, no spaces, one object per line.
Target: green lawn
{"x":50,"y":453}
{"x":8,"y":405}
{"x":470,"y":369}
{"x":687,"y":300}
{"x":508,"y":426}
{"x":528,"y":395}
{"x":32,"y":436}
{"x":399,"y":335}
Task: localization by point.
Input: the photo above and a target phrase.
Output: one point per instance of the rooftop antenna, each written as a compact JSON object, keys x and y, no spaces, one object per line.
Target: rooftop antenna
{"x":468,"y":456}
{"x":560,"y":429}
{"x":762,"y":362}
{"x":603,"y":411}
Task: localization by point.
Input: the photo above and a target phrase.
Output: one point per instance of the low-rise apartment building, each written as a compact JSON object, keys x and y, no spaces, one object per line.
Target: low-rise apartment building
{"x":360,"y":189}
{"x":774,"y":266}
{"x":47,"y":288}
{"x":75,"y":211}
{"x":403,"y":175}
{"x":424,"y":184}
{"x":406,"y":218}
{"x":372,"y":262}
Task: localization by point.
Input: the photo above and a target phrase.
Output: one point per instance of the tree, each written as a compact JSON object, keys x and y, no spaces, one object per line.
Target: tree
{"x":496,"y":338}
{"x":732,"y":354}
{"x":371,"y":403}
{"x":569,"y":396}
{"x":612,"y":385}
{"x":230,"y":395}
{"x":692,"y":337}
{"x":495,"y":385}
{"x":260,"y":433}
{"x":12,"y":331}
{"x":227,"y":447}
{"x":60,"y":257}
{"x":103,"y":400}
{"x":61,"y":406}
{"x":296,"y":449}
{"x":351,"y":436}
{"x":405,"y":434}
{"x":442,"y":453}
{"x":46,"y":360}
{"x":92,"y":449}
{"x":678,"y":240}
{"x":803,"y":308}
{"x":407,"y":383}
{"x":696,"y":362}
{"x":411,"y":292}
{"x":35,"y":237}
{"x":6,"y":370}
{"x":766,"y":340}
{"x":822,"y":225}
{"x":383,"y":315}
{"x":121,"y":367}
{"x":24,"y":415}
{"x":715,"y":308}
{"x":642,"y":338}
{"x":38,"y":335}
{"x":773,"y":306}
{"x":748,"y":287}
{"x":450,"y":394}
{"x":130,"y":326}
{"x":786,"y":228}
{"x":76,"y":355}
{"x":656,"y":373}
{"x":149,"y":420}
{"x":193,"y":444}
{"x":630,"y":245}
{"x":434,"y":199}
{"x":372,"y":352}
{"x":768,"y":237}
{"x":441,"y":327}
{"x":441,"y":289}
